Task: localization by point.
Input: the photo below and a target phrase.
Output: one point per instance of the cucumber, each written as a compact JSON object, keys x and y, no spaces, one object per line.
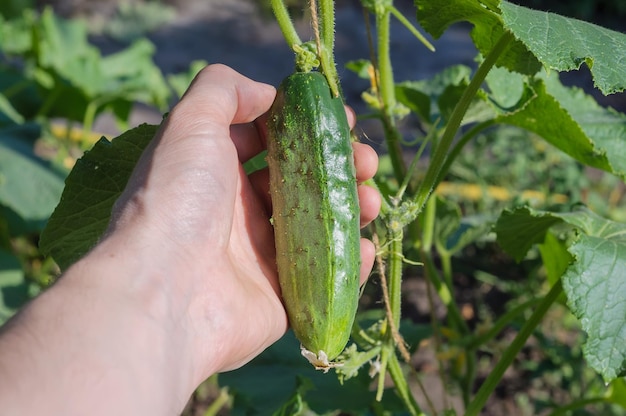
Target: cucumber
{"x":315,"y":214}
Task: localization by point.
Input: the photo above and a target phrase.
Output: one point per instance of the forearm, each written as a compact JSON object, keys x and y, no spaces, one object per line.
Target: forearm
{"x":94,"y":344}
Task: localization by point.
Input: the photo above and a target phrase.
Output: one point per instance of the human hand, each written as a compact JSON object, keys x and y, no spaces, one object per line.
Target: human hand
{"x":208,"y":223}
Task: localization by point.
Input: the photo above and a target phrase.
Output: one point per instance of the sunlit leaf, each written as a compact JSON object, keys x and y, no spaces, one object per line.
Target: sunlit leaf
{"x":436,"y":16}
{"x":594,"y":282}
{"x":91,"y":189}
{"x":563,"y":43}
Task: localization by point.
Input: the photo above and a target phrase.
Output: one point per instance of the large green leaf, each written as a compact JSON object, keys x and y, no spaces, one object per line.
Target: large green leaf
{"x":519,"y":230}
{"x":435,"y":16}
{"x":564,"y":43}
{"x":594,"y":282}
{"x":91,"y":189}
{"x":605,"y":127}
{"x":572,"y":121}
{"x":29,"y":186}
{"x":595,"y":285}
{"x":544,"y":115}
{"x":542,"y":38}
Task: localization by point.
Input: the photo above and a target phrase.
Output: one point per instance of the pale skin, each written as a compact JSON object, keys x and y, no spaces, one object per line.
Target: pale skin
{"x":182,"y":286}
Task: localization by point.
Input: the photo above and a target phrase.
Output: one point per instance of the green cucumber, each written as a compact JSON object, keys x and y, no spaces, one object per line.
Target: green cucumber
{"x":315,"y":214}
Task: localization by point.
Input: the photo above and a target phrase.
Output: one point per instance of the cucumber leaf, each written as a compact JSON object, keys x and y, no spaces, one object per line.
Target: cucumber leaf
{"x":594,"y":282}
{"x":537,"y":35}
{"x":436,"y":16}
{"x":91,"y":189}
{"x":544,"y":115}
{"x":563,"y":43}
{"x":570,"y":120}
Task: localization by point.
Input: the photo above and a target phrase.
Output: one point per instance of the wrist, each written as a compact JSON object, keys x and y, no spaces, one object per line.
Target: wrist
{"x":107,"y":328}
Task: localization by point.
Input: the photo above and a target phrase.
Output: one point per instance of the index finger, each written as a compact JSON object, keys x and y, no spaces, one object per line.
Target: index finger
{"x":221,"y":96}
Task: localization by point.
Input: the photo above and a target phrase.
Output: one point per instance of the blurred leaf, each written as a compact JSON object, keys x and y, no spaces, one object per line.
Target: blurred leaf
{"x":556,"y":259}
{"x":21,"y":95}
{"x":75,"y":81}
{"x":361,"y":67}
{"x":419,"y":96}
{"x":15,"y":34}
{"x":136,"y":19}
{"x":7,"y":109}
{"x":617,"y":392}
{"x":506,"y":88}
{"x":563,"y":44}
{"x":91,"y":189}
{"x":520,"y":229}
{"x":14,"y":291}
{"x":180,"y":82}
{"x":454,"y":232}
{"x":132,"y":75}
{"x":594,"y":281}
{"x":29,"y":186}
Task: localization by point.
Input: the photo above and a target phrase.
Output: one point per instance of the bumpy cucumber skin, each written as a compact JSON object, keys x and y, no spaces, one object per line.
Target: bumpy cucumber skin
{"x":315,"y":211}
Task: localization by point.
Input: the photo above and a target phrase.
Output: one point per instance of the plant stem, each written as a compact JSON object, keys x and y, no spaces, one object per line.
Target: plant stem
{"x":445,"y":293}
{"x":327,"y":40}
{"x":460,"y":144}
{"x":327,"y":13}
{"x":439,"y":156}
{"x":402,"y":387}
{"x":511,"y":352}
{"x":217,"y":405}
{"x":394,"y":278}
{"x":387,"y":93}
{"x":285,"y":23}
{"x":499,"y":325}
{"x":398,"y":15}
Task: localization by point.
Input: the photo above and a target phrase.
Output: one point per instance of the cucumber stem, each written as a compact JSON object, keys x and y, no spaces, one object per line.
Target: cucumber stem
{"x":402,"y":387}
{"x":386,"y":88}
{"x":398,"y":15}
{"x":327,"y":40}
{"x":285,"y":23}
